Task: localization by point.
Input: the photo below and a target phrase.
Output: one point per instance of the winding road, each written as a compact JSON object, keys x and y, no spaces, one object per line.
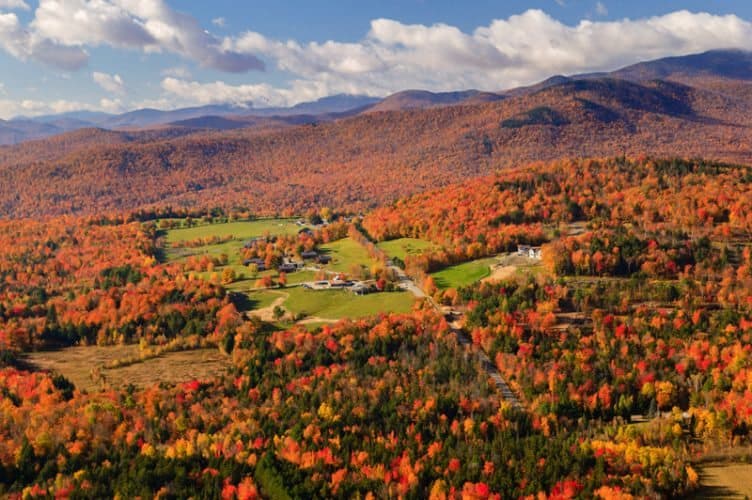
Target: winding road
{"x":408,"y":284}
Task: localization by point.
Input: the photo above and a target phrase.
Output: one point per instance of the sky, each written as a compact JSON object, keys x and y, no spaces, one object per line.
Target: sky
{"x":118,"y":55}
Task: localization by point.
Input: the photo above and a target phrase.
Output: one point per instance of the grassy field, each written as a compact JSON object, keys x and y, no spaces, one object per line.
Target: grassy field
{"x":260,"y":299}
{"x":300,"y":277}
{"x":463,"y":274}
{"x":403,"y":247}
{"x":336,"y":304}
{"x":345,"y":254}
{"x":239,"y":230}
{"x":76,"y":363}
{"x":725,"y":481}
{"x":229,"y":248}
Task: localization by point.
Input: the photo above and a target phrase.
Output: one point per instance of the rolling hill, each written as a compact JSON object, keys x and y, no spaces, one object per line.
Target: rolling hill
{"x":422,"y":99}
{"x":374,"y":157}
{"x":23,"y":129}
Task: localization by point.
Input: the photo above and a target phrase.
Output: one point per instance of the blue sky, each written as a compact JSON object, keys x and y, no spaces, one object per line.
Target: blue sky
{"x":116,"y":55}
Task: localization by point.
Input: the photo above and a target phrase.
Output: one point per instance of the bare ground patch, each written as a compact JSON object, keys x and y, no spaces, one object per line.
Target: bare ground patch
{"x":267,"y":313}
{"x":508,"y":265}
{"x":501,"y":273}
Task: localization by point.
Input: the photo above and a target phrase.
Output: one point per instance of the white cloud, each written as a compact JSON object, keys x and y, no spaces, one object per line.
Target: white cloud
{"x":391,"y":56}
{"x":10,"y":108}
{"x":90,"y":22}
{"x":601,"y":9}
{"x":177,"y":72}
{"x":25,"y":44}
{"x":61,"y":29}
{"x":14,"y":4}
{"x":111,"y":83}
{"x":221,"y":92}
{"x":521,"y":49}
{"x":219,"y":22}
{"x":111,"y":105}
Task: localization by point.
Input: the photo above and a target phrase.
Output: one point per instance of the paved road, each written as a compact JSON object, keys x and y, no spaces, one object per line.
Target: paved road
{"x":490,"y":368}
{"x":406,"y":283}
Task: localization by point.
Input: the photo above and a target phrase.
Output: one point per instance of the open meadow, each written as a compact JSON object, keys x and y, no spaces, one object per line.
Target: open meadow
{"x":463,"y":274}
{"x":725,"y":481}
{"x":347,"y":256}
{"x":402,"y":247}
{"x":80,"y":364}
{"x":237,"y":229}
{"x":338,"y":304}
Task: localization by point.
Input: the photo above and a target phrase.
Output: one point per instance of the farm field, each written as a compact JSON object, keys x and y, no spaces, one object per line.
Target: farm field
{"x":725,"y":481}
{"x":259,"y":299}
{"x":76,"y":364}
{"x":337,"y":304}
{"x":241,"y":232}
{"x":347,"y":255}
{"x":229,"y":248}
{"x":402,"y":247}
{"x":238,"y":230}
{"x":463,"y":274}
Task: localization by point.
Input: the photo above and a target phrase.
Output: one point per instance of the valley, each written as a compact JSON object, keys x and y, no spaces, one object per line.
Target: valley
{"x":350,"y":162}
{"x":543,"y":292}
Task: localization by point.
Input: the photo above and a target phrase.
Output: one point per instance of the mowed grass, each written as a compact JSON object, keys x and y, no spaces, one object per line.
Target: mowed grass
{"x":237,"y":229}
{"x":229,"y":248}
{"x":262,"y":298}
{"x":403,"y":247}
{"x":463,"y":274}
{"x":346,"y":253}
{"x":337,"y":304}
{"x":241,"y":231}
{"x":76,"y":363}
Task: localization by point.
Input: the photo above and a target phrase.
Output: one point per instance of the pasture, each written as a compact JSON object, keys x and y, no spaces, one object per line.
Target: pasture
{"x":347,"y":255}
{"x":402,"y":247}
{"x":463,"y":274}
{"x":239,"y":230}
{"x":732,"y":481}
{"x":77,"y":363}
{"x":338,"y":304}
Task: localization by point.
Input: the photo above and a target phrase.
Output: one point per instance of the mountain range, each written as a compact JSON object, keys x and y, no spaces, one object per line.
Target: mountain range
{"x":23,"y":128}
{"x":324,"y":155}
{"x":732,"y":64}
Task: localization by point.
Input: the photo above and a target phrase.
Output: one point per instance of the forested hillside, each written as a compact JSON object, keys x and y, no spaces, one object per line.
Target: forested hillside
{"x":353,"y":163}
{"x":544,"y":293}
{"x":627,"y":347}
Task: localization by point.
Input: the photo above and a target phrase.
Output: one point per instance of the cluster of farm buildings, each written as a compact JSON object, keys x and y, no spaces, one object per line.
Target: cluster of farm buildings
{"x":288,"y":265}
{"x":529,"y":251}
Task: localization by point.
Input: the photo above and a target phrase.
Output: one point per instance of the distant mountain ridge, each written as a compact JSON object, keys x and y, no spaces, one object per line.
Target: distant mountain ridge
{"x":422,"y":99}
{"x":727,"y":63}
{"x":23,"y":129}
{"x":694,"y":69}
{"x":379,"y":152}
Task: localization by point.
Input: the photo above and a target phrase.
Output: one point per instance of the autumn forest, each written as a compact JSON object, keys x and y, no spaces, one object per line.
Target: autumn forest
{"x":544,"y":296}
